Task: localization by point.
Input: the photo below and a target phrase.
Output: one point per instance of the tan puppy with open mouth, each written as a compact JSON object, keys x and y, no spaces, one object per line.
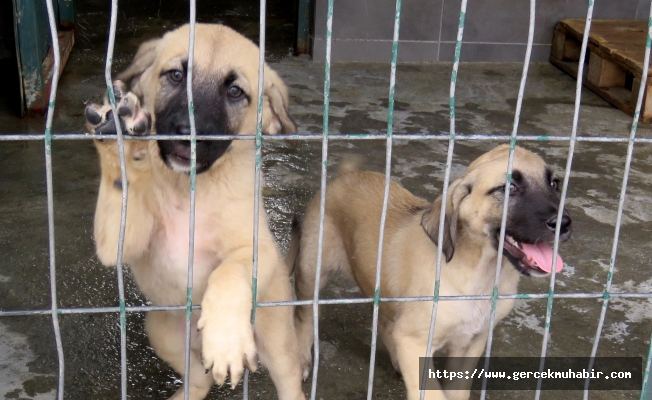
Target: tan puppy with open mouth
{"x":470,"y":248}
{"x":151,"y":98}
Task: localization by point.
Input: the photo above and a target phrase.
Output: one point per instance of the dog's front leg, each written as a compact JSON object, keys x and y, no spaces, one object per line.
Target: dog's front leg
{"x":227,"y":336}
{"x":464,"y":359}
{"x":409,"y":347}
{"x":140,"y":221}
{"x":166,"y":331}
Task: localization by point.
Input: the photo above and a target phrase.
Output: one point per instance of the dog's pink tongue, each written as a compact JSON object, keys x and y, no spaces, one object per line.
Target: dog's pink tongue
{"x":183,"y":151}
{"x":540,"y":255}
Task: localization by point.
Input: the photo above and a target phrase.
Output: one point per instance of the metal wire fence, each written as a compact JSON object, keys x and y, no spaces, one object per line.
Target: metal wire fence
{"x":452,"y":137}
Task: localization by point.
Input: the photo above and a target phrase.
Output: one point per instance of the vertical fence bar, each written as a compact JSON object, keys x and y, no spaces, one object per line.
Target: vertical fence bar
{"x":50,"y":196}
{"x":441,"y":27}
{"x":444,"y":194}
{"x":621,"y":202}
{"x":526,"y":66}
{"x":510,"y":166}
{"x":125,"y":191}
{"x":646,"y":390}
{"x":564,"y":190}
{"x":383,"y":214}
{"x":258,"y":173}
{"x":322,"y":199}
{"x":193,"y":182}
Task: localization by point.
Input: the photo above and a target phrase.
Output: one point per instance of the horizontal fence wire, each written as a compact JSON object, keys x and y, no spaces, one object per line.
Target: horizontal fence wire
{"x":361,"y":300}
{"x":348,"y":136}
{"x":389,"y":136}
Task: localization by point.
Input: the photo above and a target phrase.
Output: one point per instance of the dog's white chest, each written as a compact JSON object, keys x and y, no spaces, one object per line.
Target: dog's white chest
{"x":469,"y":318}
{"x":473,"y":318}
{"x":164,"y":280}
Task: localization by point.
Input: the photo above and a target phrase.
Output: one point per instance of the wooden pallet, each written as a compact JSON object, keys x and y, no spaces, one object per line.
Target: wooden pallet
{"x":614,"y":62}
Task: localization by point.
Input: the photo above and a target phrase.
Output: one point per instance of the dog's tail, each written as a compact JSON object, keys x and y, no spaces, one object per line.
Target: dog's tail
{"x":350,"y":163}
{"x":295,"y":244}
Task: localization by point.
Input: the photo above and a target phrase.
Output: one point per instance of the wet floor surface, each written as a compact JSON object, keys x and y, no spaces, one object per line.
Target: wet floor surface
{"x":486,"y":97}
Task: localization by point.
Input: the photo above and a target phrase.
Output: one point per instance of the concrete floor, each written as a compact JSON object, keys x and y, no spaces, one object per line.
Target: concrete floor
{"x":486,"y":98}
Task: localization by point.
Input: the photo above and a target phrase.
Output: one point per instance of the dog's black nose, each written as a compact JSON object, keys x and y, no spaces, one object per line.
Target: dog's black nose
{"x":182,"y":130}
{"x":565,"y":223}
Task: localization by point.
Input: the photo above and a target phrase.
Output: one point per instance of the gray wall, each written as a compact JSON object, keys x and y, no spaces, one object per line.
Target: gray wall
{"x":495,"y":30}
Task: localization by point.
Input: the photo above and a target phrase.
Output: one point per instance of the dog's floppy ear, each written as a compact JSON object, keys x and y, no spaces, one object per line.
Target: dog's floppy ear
{"x":275,"y":107}
{"x":457,"y":191}
{"x":143,"y":60}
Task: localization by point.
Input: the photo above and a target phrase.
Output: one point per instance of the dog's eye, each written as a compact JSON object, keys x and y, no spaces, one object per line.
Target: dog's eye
{"x":555,"y":185}
{"x":501,"y":190}
{"x":234,"y":92}
{"x":176,"y":75}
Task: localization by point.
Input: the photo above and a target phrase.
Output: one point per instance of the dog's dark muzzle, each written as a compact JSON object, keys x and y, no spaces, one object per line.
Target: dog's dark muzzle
{"x":177,"y":153}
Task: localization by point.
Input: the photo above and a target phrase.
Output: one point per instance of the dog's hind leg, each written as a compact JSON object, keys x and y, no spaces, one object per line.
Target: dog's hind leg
{"x":304,"y":280}
{"x":276,"y":340}
{"x":166,"y":333}
{"x":385,"y":327}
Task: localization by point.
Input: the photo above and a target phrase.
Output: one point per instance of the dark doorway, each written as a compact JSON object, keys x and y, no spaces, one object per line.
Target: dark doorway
{"x":142,"y":19}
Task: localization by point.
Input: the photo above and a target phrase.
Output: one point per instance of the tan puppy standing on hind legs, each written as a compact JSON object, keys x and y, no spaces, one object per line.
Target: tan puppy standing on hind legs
{"x":151,"y":98}
{"x":472,"y":227}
